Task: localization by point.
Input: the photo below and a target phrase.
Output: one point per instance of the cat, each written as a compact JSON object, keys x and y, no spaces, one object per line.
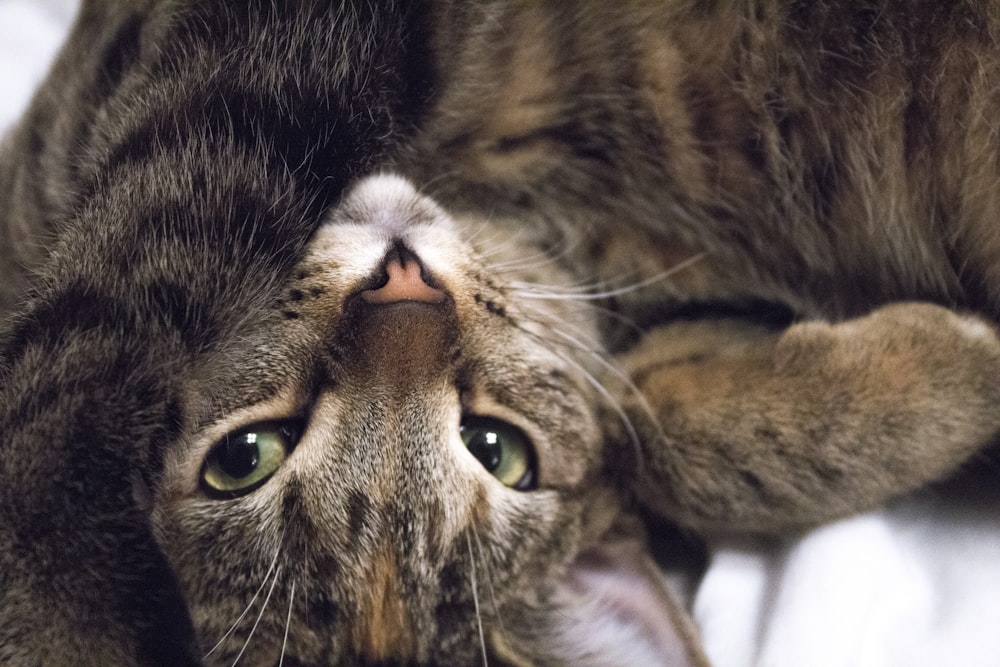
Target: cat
{"x":360,"y":333}
{"x":830,"y":159}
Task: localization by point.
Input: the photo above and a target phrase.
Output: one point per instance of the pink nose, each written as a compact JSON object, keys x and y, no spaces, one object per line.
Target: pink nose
{"x":404,"y":283}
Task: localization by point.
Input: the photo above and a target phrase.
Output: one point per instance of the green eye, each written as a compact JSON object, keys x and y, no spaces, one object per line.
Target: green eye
{"x":503,"y":449}
{"x":244,"y":460}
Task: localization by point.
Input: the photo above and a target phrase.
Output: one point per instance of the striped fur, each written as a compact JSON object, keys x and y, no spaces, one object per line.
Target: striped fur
{"x":183,"y":235}
{"x":174,"y":217}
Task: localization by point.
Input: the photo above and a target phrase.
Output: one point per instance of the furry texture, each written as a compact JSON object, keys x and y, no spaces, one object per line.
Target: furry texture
{"x":185,"y":245}
{"x":154,"y":256}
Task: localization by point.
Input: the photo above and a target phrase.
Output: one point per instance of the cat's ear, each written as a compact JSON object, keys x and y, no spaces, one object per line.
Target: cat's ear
{"x":613,"y":607}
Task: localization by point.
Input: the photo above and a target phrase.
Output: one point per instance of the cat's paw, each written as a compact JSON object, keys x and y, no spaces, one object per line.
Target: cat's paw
{"x":745,"y":429}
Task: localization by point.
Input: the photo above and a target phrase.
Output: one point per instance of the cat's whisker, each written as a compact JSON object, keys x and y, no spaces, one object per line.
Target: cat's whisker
{"x":663,"y":275}
{"x":619,"y":375}
{"x":536,"y":260}
{"x":427,"y":188}
{"x":288,"y":624}
{"x":521,"y":265}
{"x":540,"y":288}
{"x":603,"y":283}
{"x":475,"y":598}
{"x":582,"y":346}
{"x":593,"y":349}
{"x":590,"y":307}
{"x":510,"y":238}
{"x":489,"y":582}
{"x":614,"y":315}
{"x":488,"y":247}
{"x":612,"y":402}
{"x":260,"y":614}
{"x":633,"y":434}
{"x":232,"y":628}
{"x":600,"y":283}
{"x":543,"y":254}
{"x":539,"y":315}
{"x":473,"y":238}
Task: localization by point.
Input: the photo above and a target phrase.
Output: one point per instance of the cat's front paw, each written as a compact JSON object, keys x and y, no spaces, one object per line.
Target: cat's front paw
{"x":745,"y":429}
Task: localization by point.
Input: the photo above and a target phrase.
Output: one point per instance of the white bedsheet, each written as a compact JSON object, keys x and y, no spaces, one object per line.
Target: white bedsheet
{"x":915,"y":585}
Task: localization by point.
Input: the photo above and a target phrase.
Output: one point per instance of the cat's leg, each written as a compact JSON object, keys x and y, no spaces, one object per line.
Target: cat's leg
{"x":741,"y":428}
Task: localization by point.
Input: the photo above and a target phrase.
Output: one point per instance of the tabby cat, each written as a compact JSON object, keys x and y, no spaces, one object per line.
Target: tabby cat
{"x":359,"y":333}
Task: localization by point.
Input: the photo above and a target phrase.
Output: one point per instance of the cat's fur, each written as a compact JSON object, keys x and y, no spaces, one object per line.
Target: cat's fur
{"x":182,"y":257}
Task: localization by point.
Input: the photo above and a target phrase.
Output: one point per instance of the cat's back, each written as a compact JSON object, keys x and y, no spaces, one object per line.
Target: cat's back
{"x":827,"y":155}
{"x":811,"y":151}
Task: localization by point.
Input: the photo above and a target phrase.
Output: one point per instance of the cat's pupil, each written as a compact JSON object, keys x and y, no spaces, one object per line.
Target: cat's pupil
{"x":486,"y":447}
{"x":240,"y":457}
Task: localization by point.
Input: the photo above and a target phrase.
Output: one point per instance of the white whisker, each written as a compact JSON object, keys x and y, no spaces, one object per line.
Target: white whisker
{"x":585,"y":309}
{"x":620,"y":375}
{"x":542,"y":257}
{"x":536,"y":259}
{"x":260,"y":614}
{"x":633,"y":435}
{"x":601,"y":283}
{"x":626,"y":421}
{"x":527,"y":293}
{"x":425,"y":188}
{"x":475,"y":599}
{"x":288,"y":624}
{"x":613,"y":315}
{"x":489,"y":582}
{"x":473,"y":238}
{"x":530,"y":262}
{"x":232,"y":628}
{"x":541,"y":288}
{"x":517,"y":266}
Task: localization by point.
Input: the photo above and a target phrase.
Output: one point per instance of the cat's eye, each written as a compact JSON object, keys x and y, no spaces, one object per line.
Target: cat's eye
{"x":503,"y":449}
{"x":245,"y":459}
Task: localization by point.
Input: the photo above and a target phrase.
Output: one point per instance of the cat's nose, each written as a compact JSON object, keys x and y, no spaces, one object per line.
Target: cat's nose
{"x":401,"y":331}
{"x":402,"y":278}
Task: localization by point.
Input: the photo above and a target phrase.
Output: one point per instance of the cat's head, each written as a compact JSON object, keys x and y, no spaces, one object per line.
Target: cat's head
{"x":401,"y":457}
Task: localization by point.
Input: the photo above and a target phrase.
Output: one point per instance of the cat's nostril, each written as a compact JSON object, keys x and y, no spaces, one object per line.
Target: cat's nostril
{"x":402,"y":279}
{"x":399,"y":331}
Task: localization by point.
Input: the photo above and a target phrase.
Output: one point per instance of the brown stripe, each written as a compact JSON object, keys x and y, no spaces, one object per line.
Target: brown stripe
{"x":383,"y":629}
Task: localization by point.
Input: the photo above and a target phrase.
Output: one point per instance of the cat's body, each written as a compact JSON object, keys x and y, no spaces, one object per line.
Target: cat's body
{"x":828,"y":157}
{"x":177,"y":205}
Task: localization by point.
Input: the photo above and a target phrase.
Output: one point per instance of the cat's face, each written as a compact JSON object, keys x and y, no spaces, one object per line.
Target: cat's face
{"x":402,"y":448}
